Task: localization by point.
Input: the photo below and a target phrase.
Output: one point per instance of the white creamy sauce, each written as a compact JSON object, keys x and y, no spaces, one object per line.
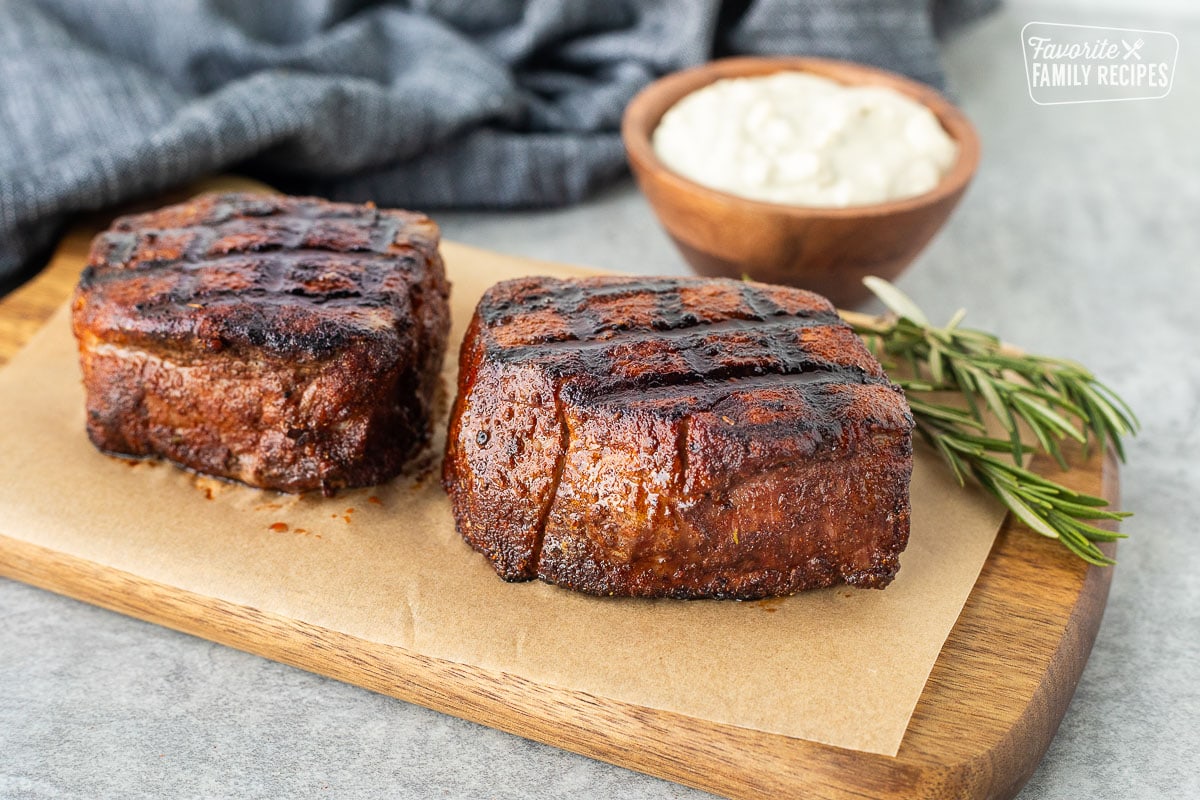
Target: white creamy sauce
{"x":801,"y":139}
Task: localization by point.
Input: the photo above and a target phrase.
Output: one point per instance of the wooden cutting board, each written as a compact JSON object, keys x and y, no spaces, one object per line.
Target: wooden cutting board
{"x":989,"y":710}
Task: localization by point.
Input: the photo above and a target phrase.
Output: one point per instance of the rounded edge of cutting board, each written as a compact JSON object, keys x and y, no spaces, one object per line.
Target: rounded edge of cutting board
{"x":954,"y":748}
{"x":989,"y":710}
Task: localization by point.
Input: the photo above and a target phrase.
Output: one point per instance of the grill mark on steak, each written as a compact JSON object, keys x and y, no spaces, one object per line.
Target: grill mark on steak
{"x":764,"y":306}
{"x":285,"y":274}
{"x":107,"y":267}
{"x":697,"y":328}
{"x":771,"y":338}
{"x":576,"y":305}
{"x":265,"y":313}
{"x":781,"y":357}
{"x":569,"y":300}
{"x":707,"y":391}
{"x":175,"y":291}
{"x":383,"y":233}
{"x":204,"y":298}
{"x":302,"y":258}
{"x":685,"y":409}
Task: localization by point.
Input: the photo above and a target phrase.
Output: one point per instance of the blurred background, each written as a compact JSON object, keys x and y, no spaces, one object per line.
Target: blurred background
{"x":1077,"y":238}
{"x":429,"y":104}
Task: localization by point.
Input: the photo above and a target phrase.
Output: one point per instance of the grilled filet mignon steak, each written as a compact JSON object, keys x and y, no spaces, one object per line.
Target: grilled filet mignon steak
{"x":288,"y":343}
{"x":676,"y":438}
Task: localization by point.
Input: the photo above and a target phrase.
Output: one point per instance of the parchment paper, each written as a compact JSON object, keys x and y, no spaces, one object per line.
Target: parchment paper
{"x":840,"y":666}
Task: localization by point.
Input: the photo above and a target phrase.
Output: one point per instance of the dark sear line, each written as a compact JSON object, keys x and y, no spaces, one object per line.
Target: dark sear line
{"x":309,"y":259}
{"x":570,"y":300}
{"x":283,"y":274}
{"x":300,"y":259}
{"x":333,"y":341}
{"x":196,"y":251}
{"x":119,"y":248}
{"x":764,"y":306}
{"x":267,"y":297}
{"x":758,"y":345}
{"x":711,"y":444}
{"x":700,"y":330}
{"x":572,"y":304}
{"x":769,"y":354}
{"x":275,"y":285}
{"x":262,"y":276}
{"x":383,"y":233}
{"x":297,"y":223}
{"x":710,"y":389}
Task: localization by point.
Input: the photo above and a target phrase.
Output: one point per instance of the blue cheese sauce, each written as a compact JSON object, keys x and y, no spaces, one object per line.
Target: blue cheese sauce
{"x":800,"y":139}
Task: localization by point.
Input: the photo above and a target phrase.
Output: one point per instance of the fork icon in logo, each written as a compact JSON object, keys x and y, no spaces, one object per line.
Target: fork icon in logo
{"x":1091,"y":64}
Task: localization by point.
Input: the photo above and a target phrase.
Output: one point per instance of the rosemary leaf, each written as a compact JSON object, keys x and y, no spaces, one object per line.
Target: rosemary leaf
{"x":1056,"y":399}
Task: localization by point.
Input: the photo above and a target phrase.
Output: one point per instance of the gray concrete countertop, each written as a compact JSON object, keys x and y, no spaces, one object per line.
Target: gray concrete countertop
{"x":1077,"y":238}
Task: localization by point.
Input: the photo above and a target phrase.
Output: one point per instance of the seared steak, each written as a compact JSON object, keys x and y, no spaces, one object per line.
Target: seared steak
{"x":288,"y":343}
{"x":676,"y":437}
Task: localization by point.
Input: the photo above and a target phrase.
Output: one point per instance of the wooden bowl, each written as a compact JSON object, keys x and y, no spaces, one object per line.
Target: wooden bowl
{"x":828,"y":250}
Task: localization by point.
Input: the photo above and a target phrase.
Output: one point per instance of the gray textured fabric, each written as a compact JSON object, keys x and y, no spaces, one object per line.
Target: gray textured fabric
{"x":430,"y":103}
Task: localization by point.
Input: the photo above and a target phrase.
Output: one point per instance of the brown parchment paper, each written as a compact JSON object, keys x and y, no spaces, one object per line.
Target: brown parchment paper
{"x":840,"y":666}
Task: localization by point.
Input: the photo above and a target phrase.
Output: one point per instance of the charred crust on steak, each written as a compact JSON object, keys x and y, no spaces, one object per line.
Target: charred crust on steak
{"x":676,"y":437}
{"x":286,"y":342}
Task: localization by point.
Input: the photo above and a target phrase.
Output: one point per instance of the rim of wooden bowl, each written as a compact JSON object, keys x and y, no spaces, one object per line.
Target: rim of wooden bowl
{"x":644,"y":112}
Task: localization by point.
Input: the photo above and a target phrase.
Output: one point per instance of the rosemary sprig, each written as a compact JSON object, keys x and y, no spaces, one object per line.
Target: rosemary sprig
{"x":1055,"y":399}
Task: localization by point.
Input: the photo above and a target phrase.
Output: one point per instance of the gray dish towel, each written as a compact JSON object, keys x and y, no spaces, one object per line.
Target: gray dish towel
{"x":426,"y":104}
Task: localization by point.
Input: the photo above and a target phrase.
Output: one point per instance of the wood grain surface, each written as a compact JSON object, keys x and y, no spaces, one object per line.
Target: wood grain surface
{"x":988,"y":712}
